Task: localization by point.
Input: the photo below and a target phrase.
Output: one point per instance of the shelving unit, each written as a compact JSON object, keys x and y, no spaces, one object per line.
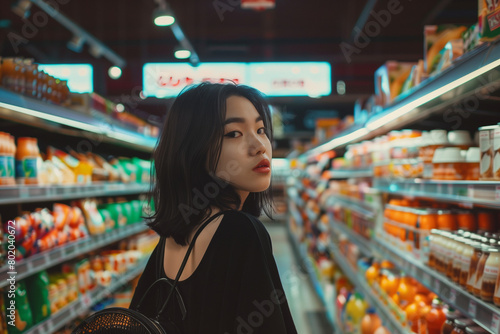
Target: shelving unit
{"x":364,"y":245}
{"x":27,"y":194}
{"x":22,"y":109}
{"x":471,"y":193}
{"x":39,"y":262}
{"x":476,"y":71}
{"x":485,"y":314}
{"x":387,"y":318}
{"x":86,"y":301}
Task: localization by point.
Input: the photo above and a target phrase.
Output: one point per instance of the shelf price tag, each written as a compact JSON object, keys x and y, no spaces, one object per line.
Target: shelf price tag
{"x":453,"y":296}
{"x":86,"y":300}
{"x":439,"y":188}
{"x":437,"y":286}
{"x":427,"y":279}
{"x":450,"y":189}
{"x":497,"y":193}
{"x":470,"y":191}
{"x":495,"y":323}
{"x":472,"y":308}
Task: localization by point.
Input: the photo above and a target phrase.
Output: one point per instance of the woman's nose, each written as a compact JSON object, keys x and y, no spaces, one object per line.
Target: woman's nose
{"x":257,"y":146}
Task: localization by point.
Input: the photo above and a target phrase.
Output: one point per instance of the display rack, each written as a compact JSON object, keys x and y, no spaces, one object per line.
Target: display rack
{"x":363,"y":244}
{"x":27,"y":194}
{"x":469,"y":193}
{"x":84,"y":302}
{"x":326,"y":297}
{"x":385,"y":315}
{"x":26,"y":110}
{"x":485,"y":314}
{"x":354,"y":204}
{"x":38,"y":262}
{"x":477,"y":68}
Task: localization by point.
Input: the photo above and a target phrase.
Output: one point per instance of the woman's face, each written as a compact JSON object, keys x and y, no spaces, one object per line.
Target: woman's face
{"x":244,"y":146}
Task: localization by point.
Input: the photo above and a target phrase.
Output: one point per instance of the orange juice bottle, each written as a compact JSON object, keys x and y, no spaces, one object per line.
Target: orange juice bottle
{"x":436,"y":317}
{"x":26,"y":160}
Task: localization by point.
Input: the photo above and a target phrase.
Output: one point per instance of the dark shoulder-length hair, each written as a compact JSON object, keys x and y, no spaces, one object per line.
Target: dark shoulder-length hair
{"x":183,"y":190}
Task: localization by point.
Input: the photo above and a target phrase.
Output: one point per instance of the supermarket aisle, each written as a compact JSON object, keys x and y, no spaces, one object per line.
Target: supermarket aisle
{"x":307,"y":310}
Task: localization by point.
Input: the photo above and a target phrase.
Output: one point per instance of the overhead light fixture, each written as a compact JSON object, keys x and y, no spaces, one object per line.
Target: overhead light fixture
{"x":182,"y":54}
{"x":76,"y":44}
{"x":22,"y":8}
{"x":115,"y":72}
{"x":163,"y":18}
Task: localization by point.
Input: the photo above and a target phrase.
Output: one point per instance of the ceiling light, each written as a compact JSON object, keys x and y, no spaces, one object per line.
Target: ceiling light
{"x":162,"y":18}
{"x":115,"y":72}
{"x":120,"y":107}
{"x":182,"y":54}
{"x":22,"y":8}
{"x":76,"y":44}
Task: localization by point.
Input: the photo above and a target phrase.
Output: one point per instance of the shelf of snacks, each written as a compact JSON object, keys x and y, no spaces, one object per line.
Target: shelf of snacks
{"x":388,"y":319}
{"x":47,"y":259}
{"x":293,"y":194}
{"x":361,"y":242}
{"x":38,"y":193}
{"x":353,"y":204}
{"x":468,"y":193}
{"x":426,"y":93}
{"x":485,"y":314}
{"x":90,"y":115}
{"x":85,"y":301}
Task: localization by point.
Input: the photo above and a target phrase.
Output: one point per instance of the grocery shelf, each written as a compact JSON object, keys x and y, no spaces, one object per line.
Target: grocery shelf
{"x":468,"y":193}
{"x":474,"y":70}
{"x":485,"y":314}
{"x":84,"y":302}
{"x":296,"y":215}
{"x":385,"y":315}
{"x":350,"y":173}
{"x":363,"y":244}
{"x":38,"y":262}
{"x":26,"y":110}
{"x":294,"y":196}
{"x":27,"y":194}
{"x":354,"y":204}
{"x":307,"y":265}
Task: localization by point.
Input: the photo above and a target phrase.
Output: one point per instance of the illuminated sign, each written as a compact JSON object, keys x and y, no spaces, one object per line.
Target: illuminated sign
{"x":164,"y":80}
{"x":80,"y":77}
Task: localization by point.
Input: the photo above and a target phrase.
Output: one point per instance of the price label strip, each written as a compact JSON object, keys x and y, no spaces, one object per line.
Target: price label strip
{"x":453,"y":296}
{"x":472,"y":308}
{"x":495,"y":323}
{"x":497,"y":193}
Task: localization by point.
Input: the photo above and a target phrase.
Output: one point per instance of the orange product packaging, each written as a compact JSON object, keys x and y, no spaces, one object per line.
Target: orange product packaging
{"x":81,"y":169}
{"x":27,"y":160}
{"x":7,"y":162}
{"x":446,"y":220}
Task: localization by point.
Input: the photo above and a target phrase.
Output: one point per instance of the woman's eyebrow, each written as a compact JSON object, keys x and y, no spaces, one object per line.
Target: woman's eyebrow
{"x":240,"y":120}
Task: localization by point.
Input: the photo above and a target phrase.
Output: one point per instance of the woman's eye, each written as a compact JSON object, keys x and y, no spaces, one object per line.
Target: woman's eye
{"x":232,"y":134}
{"x":262,"y":131}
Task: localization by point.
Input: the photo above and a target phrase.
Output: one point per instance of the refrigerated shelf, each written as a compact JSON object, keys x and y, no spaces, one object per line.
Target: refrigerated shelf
{"x":40,"y":114}
{"x":485,"y":314}
{"x":38,"y":262}
{"x":27,"y":194}
{"x":84,"y":302}
{"x":468,"y":193}
{"x":385,"y":315}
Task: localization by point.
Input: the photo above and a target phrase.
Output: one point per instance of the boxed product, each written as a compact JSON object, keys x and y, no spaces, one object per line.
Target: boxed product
{"x":489,"y":20}
{"x":389,"y":81}
{"x":435,"y":39}
{"x":472,"y":38}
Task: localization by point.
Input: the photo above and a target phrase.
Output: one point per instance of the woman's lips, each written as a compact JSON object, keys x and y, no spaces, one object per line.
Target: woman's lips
{"x":263,"y":169}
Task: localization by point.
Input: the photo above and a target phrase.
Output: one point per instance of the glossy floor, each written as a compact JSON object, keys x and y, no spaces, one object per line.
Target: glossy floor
{"x":307,"y":310}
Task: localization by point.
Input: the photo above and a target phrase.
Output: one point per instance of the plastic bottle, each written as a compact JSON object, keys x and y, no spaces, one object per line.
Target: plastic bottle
{"x":354,"y":311}
{"x":27,"y":155}
{"x":436,"y":317}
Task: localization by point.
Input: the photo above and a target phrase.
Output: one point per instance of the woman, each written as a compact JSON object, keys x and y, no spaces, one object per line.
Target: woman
{"x":213,"y":159}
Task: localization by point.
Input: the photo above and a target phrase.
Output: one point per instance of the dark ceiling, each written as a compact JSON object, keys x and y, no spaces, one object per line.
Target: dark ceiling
{"x":295,"y":30}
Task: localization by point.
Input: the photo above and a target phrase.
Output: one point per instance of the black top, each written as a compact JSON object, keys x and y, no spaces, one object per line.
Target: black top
{"x":235,"y":289}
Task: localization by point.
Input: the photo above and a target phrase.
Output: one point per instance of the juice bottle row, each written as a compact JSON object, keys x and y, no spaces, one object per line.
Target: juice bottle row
{"x":23,"y":76}
{"x":469,"y":259}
